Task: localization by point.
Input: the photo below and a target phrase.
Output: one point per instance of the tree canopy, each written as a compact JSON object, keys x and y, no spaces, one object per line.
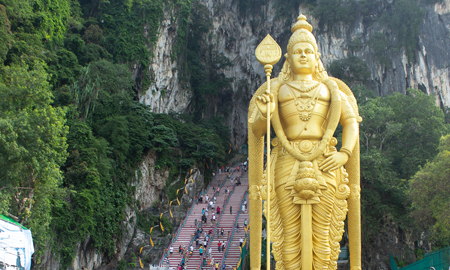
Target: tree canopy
{"x":33,"y":146}
{"x":429,"y":195}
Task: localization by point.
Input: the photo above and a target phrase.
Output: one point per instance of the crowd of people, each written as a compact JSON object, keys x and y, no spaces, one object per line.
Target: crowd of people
{"x":241,"y":167}
{"x":201,"y":244}
{"x":203,"y":237}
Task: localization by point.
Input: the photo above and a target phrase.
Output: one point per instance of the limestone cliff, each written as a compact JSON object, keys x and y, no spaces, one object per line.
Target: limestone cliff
{"x":236,"y":33}
{"x":166,"y":92}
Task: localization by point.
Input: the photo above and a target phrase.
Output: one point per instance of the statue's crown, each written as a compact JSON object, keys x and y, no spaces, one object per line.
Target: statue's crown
{"x":301,"y":24}
{"x":301,"y":32}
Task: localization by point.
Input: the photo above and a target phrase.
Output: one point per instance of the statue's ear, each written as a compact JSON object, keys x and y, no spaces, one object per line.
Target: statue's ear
{"x":318,"y":55}
{"x":286,"y":56}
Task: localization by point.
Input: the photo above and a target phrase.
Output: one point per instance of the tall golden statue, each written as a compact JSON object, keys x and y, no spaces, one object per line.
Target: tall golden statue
{"x":310,"y":190}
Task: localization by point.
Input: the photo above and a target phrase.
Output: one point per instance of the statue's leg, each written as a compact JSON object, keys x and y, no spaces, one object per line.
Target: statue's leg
{"x":322,"y":215}
{"x":290,"y":216}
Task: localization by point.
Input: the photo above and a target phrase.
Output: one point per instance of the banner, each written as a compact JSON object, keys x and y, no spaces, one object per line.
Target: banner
{"x":16,"y":245}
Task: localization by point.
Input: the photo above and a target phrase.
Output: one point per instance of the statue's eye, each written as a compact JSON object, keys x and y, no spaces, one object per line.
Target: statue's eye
{"x":297,"y":52}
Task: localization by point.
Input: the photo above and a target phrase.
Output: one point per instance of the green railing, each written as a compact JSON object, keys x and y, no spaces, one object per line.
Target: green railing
{"x":439,"y":259}
{"x":175,"y":236}
{"x":217,"y":224}
{"x":393,"y":264}
{"x":234,"y":228}
{"x":244,"y":250}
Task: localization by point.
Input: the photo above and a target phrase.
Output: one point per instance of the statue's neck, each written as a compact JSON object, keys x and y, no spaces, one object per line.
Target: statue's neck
{"x":302,"y":77}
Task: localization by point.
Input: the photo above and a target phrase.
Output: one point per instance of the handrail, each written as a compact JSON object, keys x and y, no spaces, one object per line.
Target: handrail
{"x":196,"y":229}
{"x":215,"y":228}
{"x":235,"y":221}
{"x":174,"y":239}
{"x":234,"y":227}
{"x":243,"y":246}
{"x":228,"y":244}
{"x":229,"y":238}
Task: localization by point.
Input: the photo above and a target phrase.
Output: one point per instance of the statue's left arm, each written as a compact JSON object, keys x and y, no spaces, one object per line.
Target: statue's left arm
{"x":349,"y":138}
{"x":350,"y":144}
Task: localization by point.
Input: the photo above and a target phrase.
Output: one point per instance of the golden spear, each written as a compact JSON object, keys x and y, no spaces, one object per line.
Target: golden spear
{"x":268,"y":53}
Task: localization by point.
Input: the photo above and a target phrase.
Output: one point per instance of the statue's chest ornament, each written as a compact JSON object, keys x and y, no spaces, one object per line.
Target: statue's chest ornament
{"x":306,"y":102}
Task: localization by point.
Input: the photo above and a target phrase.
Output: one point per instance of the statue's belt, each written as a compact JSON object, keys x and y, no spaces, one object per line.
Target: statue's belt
{"x":305,"y":146}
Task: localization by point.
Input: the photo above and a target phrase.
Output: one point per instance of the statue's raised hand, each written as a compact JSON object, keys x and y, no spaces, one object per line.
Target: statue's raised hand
{"x":262,"y":101}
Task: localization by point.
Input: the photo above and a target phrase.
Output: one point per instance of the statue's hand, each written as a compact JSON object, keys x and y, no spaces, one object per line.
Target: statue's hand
{"x":333,"y":161}
{"x":262,"y":101}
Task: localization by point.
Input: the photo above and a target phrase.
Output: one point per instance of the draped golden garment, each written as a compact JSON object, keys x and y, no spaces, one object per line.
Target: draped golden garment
{"x":328,"y":215}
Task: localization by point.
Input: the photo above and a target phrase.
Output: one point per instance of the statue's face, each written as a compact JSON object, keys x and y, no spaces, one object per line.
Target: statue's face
{"x":303,"y":58}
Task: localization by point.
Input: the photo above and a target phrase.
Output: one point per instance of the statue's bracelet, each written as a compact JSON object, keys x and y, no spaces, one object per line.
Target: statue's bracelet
{"x":263,"y":117}
{"x":346,"y":151}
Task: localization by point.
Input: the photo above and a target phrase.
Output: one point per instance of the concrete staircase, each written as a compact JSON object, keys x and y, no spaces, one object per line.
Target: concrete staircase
{"x":233,"y":253}
{"x":225,"y":221}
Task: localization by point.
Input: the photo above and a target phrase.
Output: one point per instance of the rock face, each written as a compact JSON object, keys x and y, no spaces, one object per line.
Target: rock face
{"x":87,"y":257}
{"x":149,"y":184}
{"x":390,"y":240}
{"x":236,"y":33}
{"x":166,"y":92}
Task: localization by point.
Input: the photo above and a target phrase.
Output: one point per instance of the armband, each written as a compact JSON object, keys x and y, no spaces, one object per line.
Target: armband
{"x":347,"y":110}
{"x":346,"y":151}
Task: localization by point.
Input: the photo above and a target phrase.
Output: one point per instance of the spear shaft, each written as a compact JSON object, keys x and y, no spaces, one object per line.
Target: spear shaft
{"x":268,"y":69}
{"x":268,"y":53}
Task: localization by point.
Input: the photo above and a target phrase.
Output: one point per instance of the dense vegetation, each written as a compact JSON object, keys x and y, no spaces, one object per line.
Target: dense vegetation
{"x":429,"y":195}
{"x":71,"y":129}
{"x":397,"y":139}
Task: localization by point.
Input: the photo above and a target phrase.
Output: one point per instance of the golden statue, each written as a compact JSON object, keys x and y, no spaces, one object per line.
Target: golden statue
{"x":310,"y":190}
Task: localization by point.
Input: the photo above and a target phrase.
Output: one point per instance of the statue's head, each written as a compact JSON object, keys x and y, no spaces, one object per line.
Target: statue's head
{"x":302,"y":52}
{"x":302,"y":32}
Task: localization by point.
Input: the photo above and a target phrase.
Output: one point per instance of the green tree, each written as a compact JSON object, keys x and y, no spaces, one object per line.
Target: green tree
{"x":380,"y":124}
{"x":93,"y":34}
{"x":422,"y":124}
{"x":379,"y":43}
{"x":32,"y":146}
{"x":102,"y":88}
{"x":396,"y":138}
{"x":5,"y":34}
{"x":328,"y":12}
{"x":429,"y":194}
{"x":48,"y":19}
{"x":403,"y":19}
{"x":350,"y":69}
{"x":408,"y":135}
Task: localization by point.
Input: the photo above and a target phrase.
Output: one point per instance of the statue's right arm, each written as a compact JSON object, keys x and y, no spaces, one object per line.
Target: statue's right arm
{"x":259,"y":126}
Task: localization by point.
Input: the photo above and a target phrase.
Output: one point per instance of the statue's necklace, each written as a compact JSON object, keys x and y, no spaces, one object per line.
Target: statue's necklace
{"x":304,"y":89}
{"x":305,"y":107}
